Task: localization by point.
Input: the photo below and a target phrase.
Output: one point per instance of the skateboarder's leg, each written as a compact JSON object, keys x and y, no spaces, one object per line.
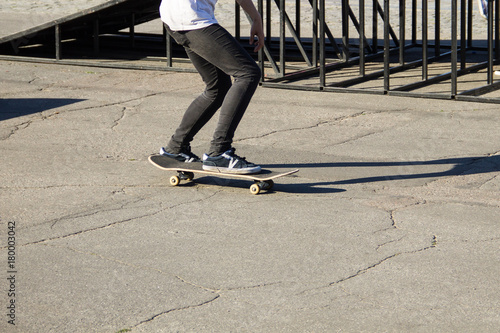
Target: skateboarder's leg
{"x":236,"y":62}
{"x":217,"y":56}
{"x":216,"y":46}
{"x":204,"y":106}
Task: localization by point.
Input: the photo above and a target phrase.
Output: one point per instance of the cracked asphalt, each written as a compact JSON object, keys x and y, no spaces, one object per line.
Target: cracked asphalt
{"x":391,"y":225}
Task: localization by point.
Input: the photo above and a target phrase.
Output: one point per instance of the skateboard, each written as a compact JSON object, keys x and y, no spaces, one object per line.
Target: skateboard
{"x":186,"y":171}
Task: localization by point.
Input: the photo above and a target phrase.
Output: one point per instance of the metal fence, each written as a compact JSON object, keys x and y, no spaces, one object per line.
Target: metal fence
{"x":414,"y":48}
{"x":420,"y":48}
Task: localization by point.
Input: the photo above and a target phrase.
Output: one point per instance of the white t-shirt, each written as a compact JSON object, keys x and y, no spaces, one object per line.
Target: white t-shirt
{"x":182,"y":15}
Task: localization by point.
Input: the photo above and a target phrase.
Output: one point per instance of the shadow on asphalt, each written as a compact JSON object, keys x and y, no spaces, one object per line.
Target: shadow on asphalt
{"x":18,"y":107}
{"x":298,"y":188}
{"x":459,"y":166}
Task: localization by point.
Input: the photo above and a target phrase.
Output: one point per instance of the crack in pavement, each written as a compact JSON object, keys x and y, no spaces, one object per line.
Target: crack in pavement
{"x":217,"y":292}
{"x":320,"y":123}
{"x":121,"y":262}
{"x":389,"y":242}
{"x":363,"y":270}
{"x":16,"y":128}
{"x":372,"y":266}
{"x":394,"y":225}
{"x":328,"y":123}
{"x":140,"y":267}
{"x":117,"y":121}
{"x":391,"y":212}
{"x":96,"y":211}
{"x":487,"y":181}
{"x":220,"y":290}
{"x":478,"y":241}
{"x":26,"y":124}
{"x":114,"y":103}
{"x":80,"y":232}
{"x":176,"y":309}
{"x":89,"y":212}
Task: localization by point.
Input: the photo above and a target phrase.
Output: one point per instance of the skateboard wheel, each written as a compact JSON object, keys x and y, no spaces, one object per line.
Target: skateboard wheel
{"x":174,"y":180}
{"x":255,"y":189}
{"x":189,"y":175}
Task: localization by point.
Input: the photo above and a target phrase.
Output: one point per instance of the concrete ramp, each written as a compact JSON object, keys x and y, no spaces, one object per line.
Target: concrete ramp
{"x":84,"y":32}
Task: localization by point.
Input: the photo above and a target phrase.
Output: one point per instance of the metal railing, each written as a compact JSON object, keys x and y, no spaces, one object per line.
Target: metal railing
{"x":421,"y":48}
{"x":343,"y":57}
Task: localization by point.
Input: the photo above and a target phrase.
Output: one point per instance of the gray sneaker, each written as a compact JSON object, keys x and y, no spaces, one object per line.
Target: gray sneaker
{"x":229,"y":162}
{"x":186,"y":156}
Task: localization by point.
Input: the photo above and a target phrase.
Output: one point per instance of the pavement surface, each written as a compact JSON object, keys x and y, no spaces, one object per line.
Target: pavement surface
{"x":391,"y":225}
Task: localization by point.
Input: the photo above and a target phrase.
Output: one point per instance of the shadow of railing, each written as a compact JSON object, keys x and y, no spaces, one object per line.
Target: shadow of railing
{"x":18,"y":107}
{"x":459,"y":166}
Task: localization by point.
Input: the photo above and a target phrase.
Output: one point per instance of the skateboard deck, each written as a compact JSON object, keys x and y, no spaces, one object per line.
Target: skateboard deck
{"x":185,"y":171}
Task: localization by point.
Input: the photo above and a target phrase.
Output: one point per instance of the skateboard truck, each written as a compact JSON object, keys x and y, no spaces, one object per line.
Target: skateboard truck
{"x":257,"y":186}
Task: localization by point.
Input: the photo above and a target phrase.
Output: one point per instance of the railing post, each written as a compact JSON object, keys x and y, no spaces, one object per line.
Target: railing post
{"x":386,"y":47}
{"x":402,"y":27}
{"x":282,"y":37}
{"x":168,"y":43}
{"x":260,"y":8}
{"x":345,"y":28}
{"x":425,"y":52}
{"x":322,"y":55}
{"x":454,"y":48}
{"x":237,"y":21}
{"x":58,"y":41}
{"x":490,"y":41}
{"x":132,"y":30}
{"x":437,"y":28}
{"x":314,"y":3}
{"x":361,"y":37}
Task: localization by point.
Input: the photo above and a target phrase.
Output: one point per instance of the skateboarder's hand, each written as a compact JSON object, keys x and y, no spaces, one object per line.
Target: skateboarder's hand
{"x":256,"y":30}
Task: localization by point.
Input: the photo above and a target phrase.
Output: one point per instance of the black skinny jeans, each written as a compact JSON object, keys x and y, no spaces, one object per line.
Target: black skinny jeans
{"x":217,"y":56}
